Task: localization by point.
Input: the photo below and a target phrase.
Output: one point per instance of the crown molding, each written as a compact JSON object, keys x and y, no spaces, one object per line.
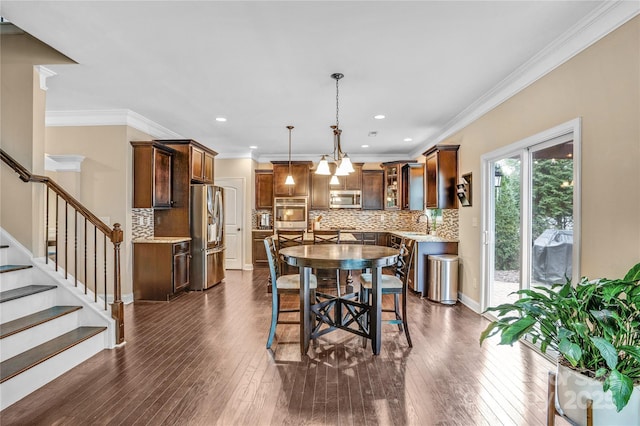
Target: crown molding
{"x":600,"y":22}
{"x":109,"y":117}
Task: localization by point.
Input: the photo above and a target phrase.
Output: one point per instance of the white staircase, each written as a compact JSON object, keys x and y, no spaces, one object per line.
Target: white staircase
{"x":47,"y":326}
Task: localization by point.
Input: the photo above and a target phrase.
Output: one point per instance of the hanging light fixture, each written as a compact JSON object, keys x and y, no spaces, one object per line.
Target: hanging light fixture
{"x":344,"y":166}
{"x":289,"y":180}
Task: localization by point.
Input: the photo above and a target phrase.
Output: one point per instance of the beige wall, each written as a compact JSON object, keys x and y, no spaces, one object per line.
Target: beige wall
{"x":601,"y":85}
{"x":240,"y":168}
{"x":22,"y":134}
{"x":105,"y":185}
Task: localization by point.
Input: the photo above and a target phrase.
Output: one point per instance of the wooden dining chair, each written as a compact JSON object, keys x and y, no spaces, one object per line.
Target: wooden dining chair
{"x":326,"y":236}
{"x":288,"y":238}
{"x":395,"y":284}
{"x":283,"y":284}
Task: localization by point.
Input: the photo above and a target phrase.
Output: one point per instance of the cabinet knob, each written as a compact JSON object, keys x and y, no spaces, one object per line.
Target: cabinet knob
{"x":238,"y":229}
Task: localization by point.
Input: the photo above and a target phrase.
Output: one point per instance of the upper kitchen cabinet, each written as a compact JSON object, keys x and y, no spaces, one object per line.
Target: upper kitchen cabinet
{"x":441,"y":175}
{"x":201,"y":163}
{"x":264,"y":189}
{"x":392,"y":185}
{"x":372,"y":189}
{"x":319,"y":198}
{"x":413,"y":186}
{"x":152,"y":175}
{"x":300,"y":173}
{"x":352,"y":181}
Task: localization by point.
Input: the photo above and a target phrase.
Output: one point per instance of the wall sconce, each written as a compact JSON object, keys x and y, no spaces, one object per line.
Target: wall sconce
{"x":464,"y":190}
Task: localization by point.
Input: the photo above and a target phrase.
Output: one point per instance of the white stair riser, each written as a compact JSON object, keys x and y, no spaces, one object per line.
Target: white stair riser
{"x":16,"y":279}
{"x":24,"y":306}
{"x":34,"y":336}
{"x":4,"y":256}
{"x":11,"y":255}
{"x":23,"y":384}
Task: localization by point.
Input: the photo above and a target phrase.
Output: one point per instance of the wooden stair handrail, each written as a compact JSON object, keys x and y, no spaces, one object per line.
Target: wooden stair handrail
{"x":27,"y":176}
{"x":115,"y":235}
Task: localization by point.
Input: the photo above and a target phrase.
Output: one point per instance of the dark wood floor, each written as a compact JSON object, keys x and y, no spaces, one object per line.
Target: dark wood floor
{"x":201,"y":360}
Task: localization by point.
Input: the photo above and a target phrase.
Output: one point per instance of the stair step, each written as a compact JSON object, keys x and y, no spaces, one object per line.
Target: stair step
{"x":9,"y":268}
{"x":33,"y":320}
{"x":20,"y":363}
{"x":17,"y":293}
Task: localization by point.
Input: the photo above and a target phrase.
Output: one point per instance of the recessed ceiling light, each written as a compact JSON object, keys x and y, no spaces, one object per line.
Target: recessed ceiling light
{"x":364,"y":146}
{"x":407,"y":139}
{"x":379,"y":116}
{"x":221,"y":119}
{"x":253,"y":147}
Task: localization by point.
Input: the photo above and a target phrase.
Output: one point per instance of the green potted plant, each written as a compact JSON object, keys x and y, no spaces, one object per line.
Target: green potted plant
{"x":594,"y":326}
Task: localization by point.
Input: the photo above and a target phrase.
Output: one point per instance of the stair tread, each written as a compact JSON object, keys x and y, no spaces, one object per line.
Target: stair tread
{"x":32,"y":357}
{"x":9,"y":268}
{"x":35,"y":319}
{"x":28,"y":290}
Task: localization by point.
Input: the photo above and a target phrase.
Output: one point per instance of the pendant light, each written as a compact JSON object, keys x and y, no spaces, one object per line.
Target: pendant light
{"x":289,"y":180}
{"x":344,"y":166}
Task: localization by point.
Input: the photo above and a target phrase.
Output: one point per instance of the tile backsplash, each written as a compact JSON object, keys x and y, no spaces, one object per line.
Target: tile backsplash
{"x":378,"y":220}
{"x":142,"y":223}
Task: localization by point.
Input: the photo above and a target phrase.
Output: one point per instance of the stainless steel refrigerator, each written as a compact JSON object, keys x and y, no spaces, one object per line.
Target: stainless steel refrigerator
{"x":207,"y":236}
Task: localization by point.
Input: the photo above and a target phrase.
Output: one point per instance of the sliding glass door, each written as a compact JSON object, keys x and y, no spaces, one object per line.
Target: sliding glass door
{"x":531,"y":214}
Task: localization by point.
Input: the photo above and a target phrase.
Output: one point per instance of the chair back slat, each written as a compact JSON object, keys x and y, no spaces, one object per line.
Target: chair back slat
{"x":403,"y":265}
{"x":287,"y":238}
{"x":326,"y":236}
{"x":272,"y":256}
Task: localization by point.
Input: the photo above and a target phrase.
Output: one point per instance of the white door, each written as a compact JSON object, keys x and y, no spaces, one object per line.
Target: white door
{"x":233,"y":220}
{"x":531,"y":215}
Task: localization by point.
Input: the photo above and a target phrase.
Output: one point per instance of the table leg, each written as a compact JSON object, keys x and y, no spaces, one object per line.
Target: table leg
{"x":376,"y":310}
{"x":305,"y":309}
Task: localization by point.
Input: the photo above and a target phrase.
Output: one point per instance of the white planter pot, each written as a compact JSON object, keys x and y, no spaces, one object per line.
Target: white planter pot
{"x":572,"y":391}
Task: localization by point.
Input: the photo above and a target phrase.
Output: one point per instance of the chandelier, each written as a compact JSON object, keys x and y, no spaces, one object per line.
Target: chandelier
{"x":344,"y":166}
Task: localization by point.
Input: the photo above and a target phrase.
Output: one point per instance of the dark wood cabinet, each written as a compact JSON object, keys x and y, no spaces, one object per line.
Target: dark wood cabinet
{"x":441,"y":175}
{"x":300,"y":173}
{"x":160,"y":270}
{"x":189,"y":166}
{"x":201,"y":164}
{"x":207,"y":176}
{"x":392,"y":185}
{"x":152,"y":175}
{"x":319,"y":199}
{"x":413,"y":186}
{"x":259,"y":253}
{"x":372,"y":189}
{"x":352,"y":181}
{"x":264,"y":189}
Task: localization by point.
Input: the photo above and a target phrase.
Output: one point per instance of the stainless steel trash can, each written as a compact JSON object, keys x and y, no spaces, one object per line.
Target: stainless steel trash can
{"x":442,"y":285}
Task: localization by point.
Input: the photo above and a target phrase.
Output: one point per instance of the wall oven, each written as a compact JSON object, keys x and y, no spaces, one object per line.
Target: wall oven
{"x":290,"y":213}
{"x":345,"y":199}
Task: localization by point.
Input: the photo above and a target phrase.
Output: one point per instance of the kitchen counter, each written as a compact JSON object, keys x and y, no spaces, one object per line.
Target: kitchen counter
{"x":162,"y":240}
{"x":421,"y":237}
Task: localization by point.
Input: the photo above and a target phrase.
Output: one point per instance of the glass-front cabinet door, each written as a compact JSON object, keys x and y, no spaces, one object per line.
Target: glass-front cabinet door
{"x":392,"y":187}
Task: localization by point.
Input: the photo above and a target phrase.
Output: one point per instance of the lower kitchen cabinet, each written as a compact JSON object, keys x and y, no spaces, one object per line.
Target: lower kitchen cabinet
{"x":259,"y":253}
{"x":160,"y":269}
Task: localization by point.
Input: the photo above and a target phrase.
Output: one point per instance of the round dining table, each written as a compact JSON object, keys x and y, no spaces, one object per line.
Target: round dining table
{"x":347,"y":257}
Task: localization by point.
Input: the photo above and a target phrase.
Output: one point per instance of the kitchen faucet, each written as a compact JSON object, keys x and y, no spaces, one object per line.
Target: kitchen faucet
{"x":428,"y":224}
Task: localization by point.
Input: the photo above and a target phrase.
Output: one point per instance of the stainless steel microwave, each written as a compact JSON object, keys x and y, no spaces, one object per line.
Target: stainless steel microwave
{"x":345,"y":199}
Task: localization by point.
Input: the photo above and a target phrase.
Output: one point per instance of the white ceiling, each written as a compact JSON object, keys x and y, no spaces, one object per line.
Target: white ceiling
{"x":427,"y":65}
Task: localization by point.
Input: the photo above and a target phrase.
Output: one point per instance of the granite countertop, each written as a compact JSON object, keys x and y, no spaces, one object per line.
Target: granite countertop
{"x":162,"y":240}
{"x":421,"y":237}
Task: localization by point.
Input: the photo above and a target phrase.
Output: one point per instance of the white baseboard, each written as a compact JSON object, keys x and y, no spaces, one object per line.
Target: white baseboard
{"x":469,"y":303}
{"x":248,"y":267}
